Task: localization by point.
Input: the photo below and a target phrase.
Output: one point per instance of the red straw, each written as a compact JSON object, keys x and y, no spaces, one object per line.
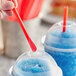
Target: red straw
{"x":65,"y":18}
{"x":32,"y":45}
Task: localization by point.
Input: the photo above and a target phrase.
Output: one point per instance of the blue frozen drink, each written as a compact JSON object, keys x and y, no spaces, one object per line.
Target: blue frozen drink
{"x":62,"y":47}
{"x":36,"y":64}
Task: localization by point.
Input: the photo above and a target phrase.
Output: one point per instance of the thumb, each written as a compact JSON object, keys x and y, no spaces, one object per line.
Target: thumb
{"x":15,"y":3}
{"x":8,"y":5}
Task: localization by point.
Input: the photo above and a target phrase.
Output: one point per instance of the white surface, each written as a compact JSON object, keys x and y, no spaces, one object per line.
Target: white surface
{"x":5,"y":64}
{"x":54,"y":19}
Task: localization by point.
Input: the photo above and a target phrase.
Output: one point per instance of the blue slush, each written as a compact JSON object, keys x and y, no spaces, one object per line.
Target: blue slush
{"x":62,"y":47}
{"x":36,"y":66}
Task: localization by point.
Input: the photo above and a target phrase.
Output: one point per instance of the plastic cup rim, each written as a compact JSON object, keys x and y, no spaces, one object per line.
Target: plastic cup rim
{"x":59,"y":49}
{"x":10,"y":70}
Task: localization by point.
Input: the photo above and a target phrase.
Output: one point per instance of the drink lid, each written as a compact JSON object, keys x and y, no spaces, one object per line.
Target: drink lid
{"x":63,"y":42}
{"x":38,"y":63}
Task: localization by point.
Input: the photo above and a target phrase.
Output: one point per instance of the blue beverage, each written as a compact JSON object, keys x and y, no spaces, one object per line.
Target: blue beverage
{"x":36,"y":64}
{"x":62,"y":47}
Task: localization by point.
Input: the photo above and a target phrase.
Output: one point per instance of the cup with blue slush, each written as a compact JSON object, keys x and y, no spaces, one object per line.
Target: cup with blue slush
{"x":38,"y":63}
{"x":62,"y":46}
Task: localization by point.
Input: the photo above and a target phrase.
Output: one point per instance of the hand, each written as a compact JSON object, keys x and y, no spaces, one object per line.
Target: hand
{"x":6,"y":7}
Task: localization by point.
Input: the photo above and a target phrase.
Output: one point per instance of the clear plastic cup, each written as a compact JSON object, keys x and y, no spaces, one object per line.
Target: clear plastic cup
{"x":62,"y":46}
{"x":35,"y":64}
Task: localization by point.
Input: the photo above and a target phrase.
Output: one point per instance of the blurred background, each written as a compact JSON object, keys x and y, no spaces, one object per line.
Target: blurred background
{"x":38,"y":16}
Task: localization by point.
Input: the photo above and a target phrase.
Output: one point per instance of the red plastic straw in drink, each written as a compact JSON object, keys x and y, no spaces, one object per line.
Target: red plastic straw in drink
{"x":65,"y":18}
{"x":32,"y":45}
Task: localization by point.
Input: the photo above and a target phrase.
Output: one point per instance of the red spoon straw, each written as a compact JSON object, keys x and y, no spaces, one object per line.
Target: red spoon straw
{"x":32,"y":45}
{"x":65,"y":18}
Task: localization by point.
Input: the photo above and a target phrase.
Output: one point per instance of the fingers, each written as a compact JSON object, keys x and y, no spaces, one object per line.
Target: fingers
{"x":9,"y":12}
{"x":8,"y":5}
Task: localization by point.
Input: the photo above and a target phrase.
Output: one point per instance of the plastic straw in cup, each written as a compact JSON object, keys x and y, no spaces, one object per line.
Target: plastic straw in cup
{"x":32,"y":45}
{"x":65,"y":18}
